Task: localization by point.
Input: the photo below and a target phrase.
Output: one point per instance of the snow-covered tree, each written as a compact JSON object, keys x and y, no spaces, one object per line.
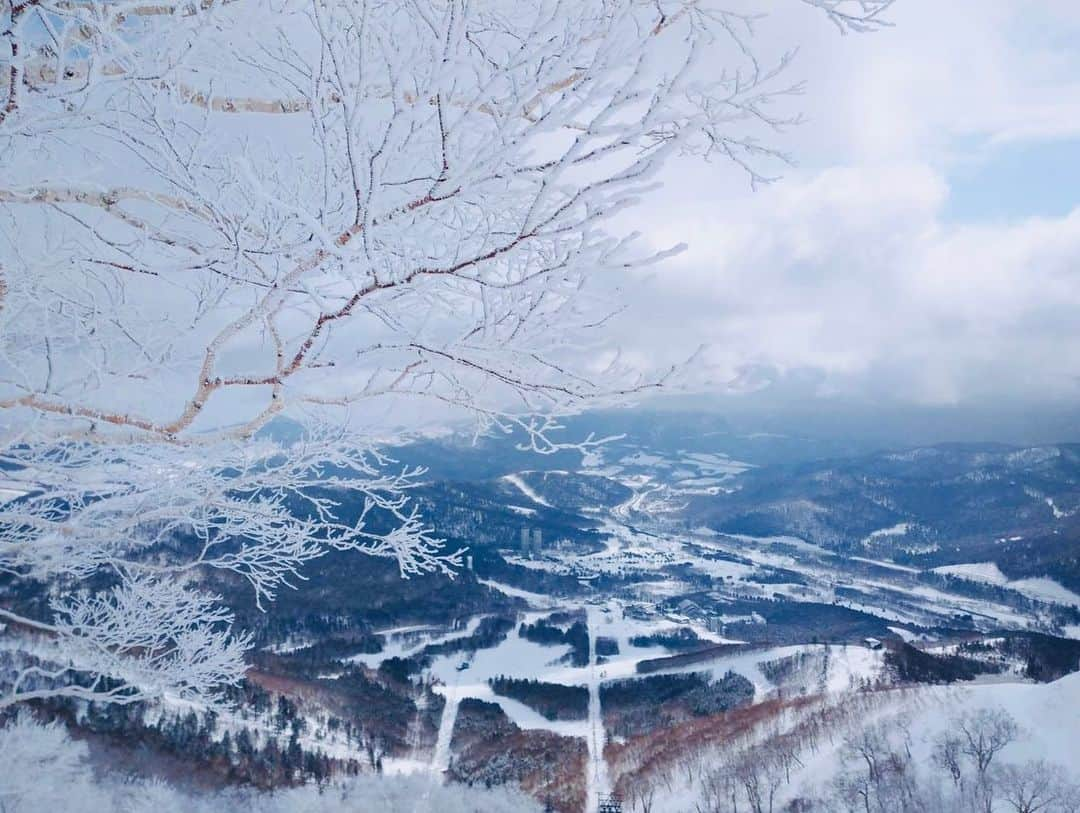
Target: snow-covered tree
{"x":30,"y":751}
{"x":215,"y":213}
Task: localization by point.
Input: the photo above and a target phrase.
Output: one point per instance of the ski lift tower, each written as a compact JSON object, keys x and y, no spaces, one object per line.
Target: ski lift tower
{"x":610,"y":804}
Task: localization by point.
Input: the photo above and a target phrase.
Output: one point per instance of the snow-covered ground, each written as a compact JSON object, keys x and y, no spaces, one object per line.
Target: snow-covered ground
{"x":657,"y":556}
{"x":979,"y":571}
{"x":887,"y":565}
{"x":1043,"y":589}
{"x":407,"y":641}
{"x":534,"y":599}
{"x":525,"y":489}
{"x":597,"y":782}
{"x":318,"y":736}
{"x":1049,"y":717}
{"x":840,"y":669}
{"x":10,"y":490}
{"x":899,"y":529}
{"x":652,"y":553}
{"x":639,"y":544}
{"x":1057,"y":512}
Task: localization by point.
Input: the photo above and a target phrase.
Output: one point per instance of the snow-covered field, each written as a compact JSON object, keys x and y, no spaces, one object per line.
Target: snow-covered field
{"x":1042,"y":589}
{"x":841,"y":667}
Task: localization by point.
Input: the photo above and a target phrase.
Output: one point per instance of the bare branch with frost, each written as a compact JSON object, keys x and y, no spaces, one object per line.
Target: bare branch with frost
{"x":217,"y":213}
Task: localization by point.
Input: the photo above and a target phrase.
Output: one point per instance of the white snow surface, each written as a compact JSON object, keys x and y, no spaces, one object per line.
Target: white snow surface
{"x":977,"y":572}
{"x":525,"y":489}
{"x":535,"y":599}
{"x":896,"y":530}
{"x":1046,"y":590}
{"x":1042,"y":589}
{"x":1049,"y":716}
{"x":1057,"y":512}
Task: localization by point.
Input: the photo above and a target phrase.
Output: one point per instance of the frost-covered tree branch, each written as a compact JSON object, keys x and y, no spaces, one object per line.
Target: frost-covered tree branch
{"x":215,"y":213}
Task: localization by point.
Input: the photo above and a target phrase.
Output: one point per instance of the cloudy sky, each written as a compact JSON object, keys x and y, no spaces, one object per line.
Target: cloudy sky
{"x":926,"y":249}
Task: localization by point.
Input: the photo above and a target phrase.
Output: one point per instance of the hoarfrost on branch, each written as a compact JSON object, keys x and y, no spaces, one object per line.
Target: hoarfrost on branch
{"x":218,"y":213}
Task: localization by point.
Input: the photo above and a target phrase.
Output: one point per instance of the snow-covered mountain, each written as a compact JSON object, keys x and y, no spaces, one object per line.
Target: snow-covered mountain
{"x":632,"y":618}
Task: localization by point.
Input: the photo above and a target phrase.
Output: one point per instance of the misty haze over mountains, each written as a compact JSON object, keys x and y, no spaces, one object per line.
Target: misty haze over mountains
{"x":476,"y":406}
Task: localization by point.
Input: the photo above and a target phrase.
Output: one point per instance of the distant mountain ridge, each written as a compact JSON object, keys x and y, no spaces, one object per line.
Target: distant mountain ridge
{"x":1014,"y":506}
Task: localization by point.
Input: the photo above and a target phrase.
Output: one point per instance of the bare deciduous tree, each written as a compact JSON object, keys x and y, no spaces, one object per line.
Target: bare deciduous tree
{"x":984,"y":733}
{"x":218,"y":212}
{"x":1034,"y":786}
{"x":946,"y":755}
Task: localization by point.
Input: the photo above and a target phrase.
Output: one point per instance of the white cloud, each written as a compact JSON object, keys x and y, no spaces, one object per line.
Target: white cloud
{"x":1003,"y":70}
{"x":849,"y":268}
